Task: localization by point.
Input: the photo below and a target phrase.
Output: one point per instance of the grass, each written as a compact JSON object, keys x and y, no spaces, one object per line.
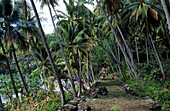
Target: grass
{"x":117,"y":99}
{"x":115,"y":107}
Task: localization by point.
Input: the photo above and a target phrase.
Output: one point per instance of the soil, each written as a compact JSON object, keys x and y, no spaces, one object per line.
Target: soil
{"x":117,"y":99}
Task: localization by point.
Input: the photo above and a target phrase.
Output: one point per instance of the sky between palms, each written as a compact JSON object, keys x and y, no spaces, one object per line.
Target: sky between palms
{"x":47,"y":25}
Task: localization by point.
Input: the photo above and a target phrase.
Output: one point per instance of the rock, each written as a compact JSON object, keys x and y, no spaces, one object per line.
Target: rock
{"x":68,"y":107}
{"x":73,"y":102}
{"x":151,"y":101}
{"x":129,"y":90}
{"x":94,"y":96}
{"x":83,"y":98}
{"x":145,"y":98}
{"x":155,"y":107}
{"x":102,"y":91}
{"x":77,"y":99}
{"x":125,"y":85}
{"x":82,"y":106}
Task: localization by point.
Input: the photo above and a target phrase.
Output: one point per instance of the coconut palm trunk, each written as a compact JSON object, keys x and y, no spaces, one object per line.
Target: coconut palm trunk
{"x":136,"y":47}
{"x":124,"y":41}
{"x":49,"y":54}
{"x":10,"y":72}
{"x":91,"y":67}
{"x":121,"y":47}
{"x":62,"y":50}
{"x":111,"y":50}
{"x":41,"y":76}
{"x":88,"y":76}
{"x":166,"y":12}
{"x":118,"y":57}
{"x":28,"y":38}
{"x":147,"y":55}
{"x":79,"y":74}
{"x":110,"y":64}
{"x":156,"y":55}
{"x":119,"y":67}
{"x":19,"y":70}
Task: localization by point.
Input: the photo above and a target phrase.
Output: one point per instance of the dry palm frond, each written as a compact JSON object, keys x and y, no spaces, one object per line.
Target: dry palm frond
{"x":153,"y":13}
{"x":111,"y":6}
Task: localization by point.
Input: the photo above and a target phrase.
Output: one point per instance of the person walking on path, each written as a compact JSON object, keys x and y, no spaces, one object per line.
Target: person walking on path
{"x":105,"y":71}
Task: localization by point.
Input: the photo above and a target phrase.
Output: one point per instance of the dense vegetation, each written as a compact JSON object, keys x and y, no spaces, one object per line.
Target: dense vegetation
{"x":130,"y":36}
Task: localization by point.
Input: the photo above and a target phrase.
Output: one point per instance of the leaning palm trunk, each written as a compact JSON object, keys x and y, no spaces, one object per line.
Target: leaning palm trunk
{"x":110,"y":64}
{"x":120,"y":71}
{"x":156,"y":55}
{"x":114,"y":45}
{"x":125,"y":55}
{"x":62,"y":50}
{"x":41,"y":76}
{"x":88,"y":76}
{"x":91,"y":69}
{"x":80,"y":83}
{"x":136,"y":47}
{"x":10,"y":72}
{"x":124,"y":41}
{"x":118,"y":57}
{"x":19,"y":70}
{"x":166,"y":12}
{"x":49,"y":54}
{"x":111,"y":50}
{"x":147,"y":55}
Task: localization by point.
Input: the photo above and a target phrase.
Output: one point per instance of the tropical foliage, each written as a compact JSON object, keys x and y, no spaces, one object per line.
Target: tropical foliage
{"x":130,"y":37}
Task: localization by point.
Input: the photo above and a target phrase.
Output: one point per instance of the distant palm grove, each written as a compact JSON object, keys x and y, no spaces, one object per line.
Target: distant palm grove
{"x":41,"y":71}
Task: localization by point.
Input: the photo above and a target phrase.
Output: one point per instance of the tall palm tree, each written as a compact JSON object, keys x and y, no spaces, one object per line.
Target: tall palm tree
{"x":11,"y":15}
{"x":29,"y":29}
{"x":9,"y":69}
{"x":120,"y":45}
{"x":48,"y":52}
{"x":144,"y":13}
{"x":62,"y":49}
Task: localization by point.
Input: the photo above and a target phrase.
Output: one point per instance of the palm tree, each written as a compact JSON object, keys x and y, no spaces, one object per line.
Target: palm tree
{"x":29,"y":29}
{"x":149,"y":13}
{"x":120,"y":45}
{"x":62,"y":49}
{"x":11,"y":15}
{"x":48,"y":52}
{"x":9,"y":69}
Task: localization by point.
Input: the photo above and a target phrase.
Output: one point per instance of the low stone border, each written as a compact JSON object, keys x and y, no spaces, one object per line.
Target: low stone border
{"x":154,"y":104}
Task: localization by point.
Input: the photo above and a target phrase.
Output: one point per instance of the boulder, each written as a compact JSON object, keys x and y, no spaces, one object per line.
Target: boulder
{"x":77,"y":99}
{"x":155,"y":107}
{"x":73,"y":102}
{"x":68,"y":107}
{"x":82,"y":106}
{"x":94,"y":95}
{"x":151,"y":101}
{"x":83,"y":98}
{"x":125,"y":86}
{"x":102,"y":91}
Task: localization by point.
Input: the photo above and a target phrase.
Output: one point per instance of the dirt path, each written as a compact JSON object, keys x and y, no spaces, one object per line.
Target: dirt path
{"x":117,"y":99}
